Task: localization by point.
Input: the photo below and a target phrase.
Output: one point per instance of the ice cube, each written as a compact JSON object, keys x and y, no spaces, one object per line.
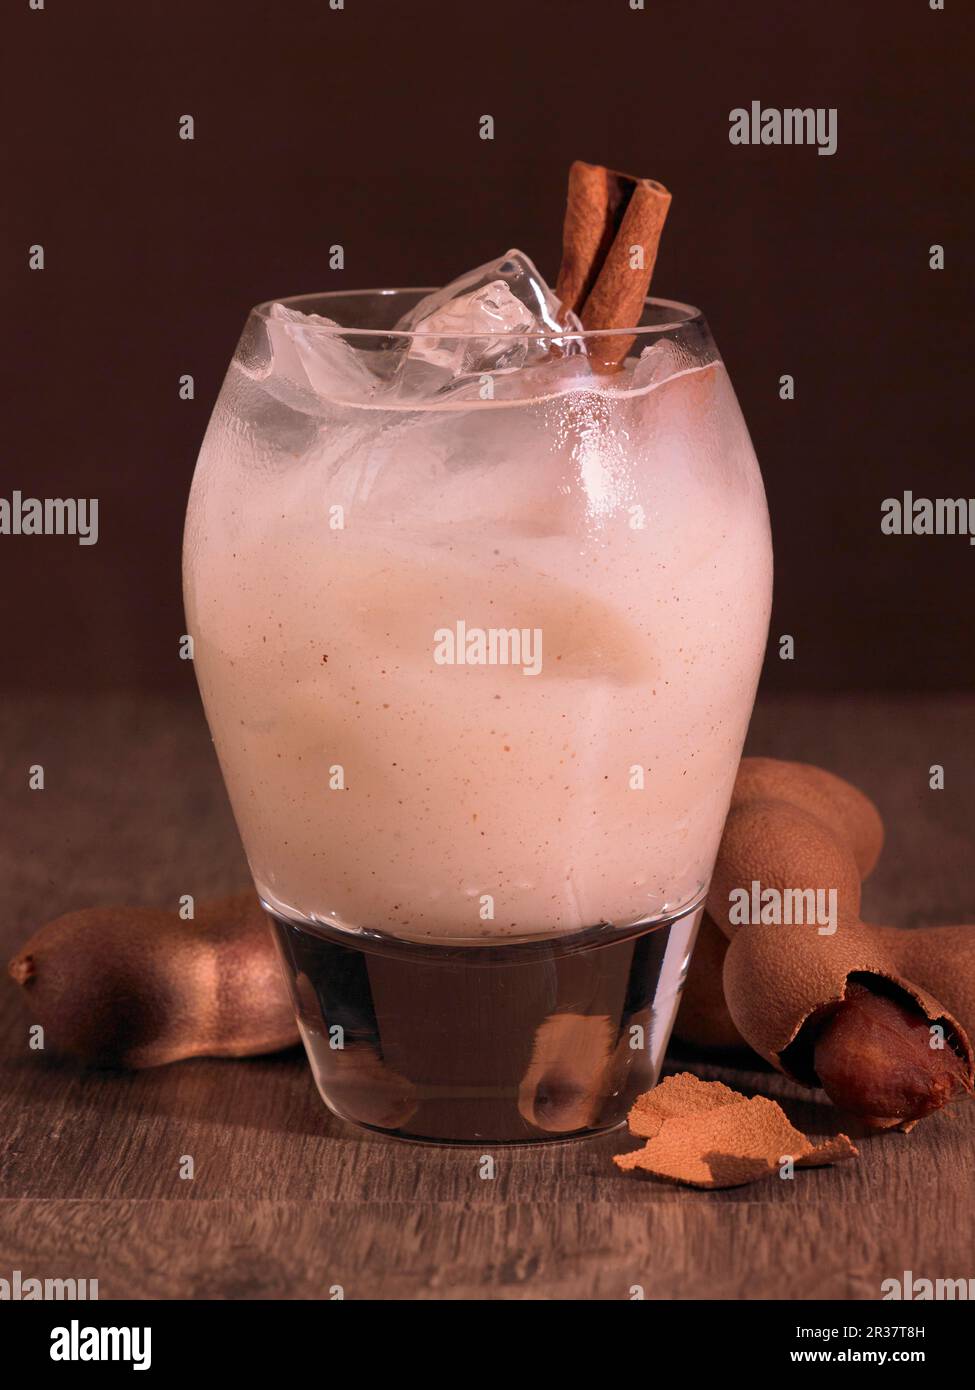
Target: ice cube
{"x":495,"y":302}
{"x":657,"y":363}
{"x":308,"y":353}
{"x":515,"y":271}
{"x":472,"y":328}
{"x":487,"y":312}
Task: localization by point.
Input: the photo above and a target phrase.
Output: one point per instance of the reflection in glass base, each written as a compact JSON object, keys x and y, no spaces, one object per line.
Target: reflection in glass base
{"x":501,"y":1044}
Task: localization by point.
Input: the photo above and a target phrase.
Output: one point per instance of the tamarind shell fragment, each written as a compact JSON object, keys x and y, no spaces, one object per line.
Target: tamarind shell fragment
{"x":138,"y":987}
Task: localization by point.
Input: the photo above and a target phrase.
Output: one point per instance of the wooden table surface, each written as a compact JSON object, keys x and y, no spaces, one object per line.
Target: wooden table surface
{"x":288,"y":1201}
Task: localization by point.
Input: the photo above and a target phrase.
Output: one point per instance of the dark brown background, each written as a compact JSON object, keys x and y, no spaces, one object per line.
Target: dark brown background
{"x":359,"y":126}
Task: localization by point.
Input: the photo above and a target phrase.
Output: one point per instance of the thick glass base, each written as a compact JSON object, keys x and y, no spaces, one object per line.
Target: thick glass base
{"x":494,"y":1044}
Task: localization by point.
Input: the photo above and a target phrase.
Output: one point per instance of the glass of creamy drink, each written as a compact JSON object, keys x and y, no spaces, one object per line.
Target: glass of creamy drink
{"x":478,"y":629}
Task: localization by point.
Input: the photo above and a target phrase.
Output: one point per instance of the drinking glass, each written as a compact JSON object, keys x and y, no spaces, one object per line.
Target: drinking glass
{"x":478,"y":631}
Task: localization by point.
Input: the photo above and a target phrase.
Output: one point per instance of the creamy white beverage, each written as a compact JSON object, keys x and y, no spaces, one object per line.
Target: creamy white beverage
{"x":480,"y":668}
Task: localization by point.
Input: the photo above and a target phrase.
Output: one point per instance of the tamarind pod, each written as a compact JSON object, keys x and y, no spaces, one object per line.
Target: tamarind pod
{"x":138,"y":987}
{"x":781,"y":1012}
{"x":703,"y":1018}
{"x":790,"y":826}
{"x":777,"y":845}
{"x":831,"y":799}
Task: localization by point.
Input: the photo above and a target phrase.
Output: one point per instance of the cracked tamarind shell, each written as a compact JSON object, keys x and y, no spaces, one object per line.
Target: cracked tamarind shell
{"x":783,"y":983}
{"x":138,"y":987}
{"x":939,"y":959}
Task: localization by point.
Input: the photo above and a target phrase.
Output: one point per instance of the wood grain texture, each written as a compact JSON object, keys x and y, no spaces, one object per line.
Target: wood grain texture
{"x":287,"y":1201}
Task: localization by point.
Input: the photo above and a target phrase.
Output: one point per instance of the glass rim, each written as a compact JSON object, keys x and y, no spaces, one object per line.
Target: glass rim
{"x":683,"y":315}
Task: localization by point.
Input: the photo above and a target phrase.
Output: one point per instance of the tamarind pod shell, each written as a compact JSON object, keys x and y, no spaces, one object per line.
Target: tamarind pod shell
{"x":780,"y":846}
{"x":822,"y":794}
{"x":939,"y":959}
{"x":703,"y":1018}
{"x":139,"y":987}
{"x":777,"y":978}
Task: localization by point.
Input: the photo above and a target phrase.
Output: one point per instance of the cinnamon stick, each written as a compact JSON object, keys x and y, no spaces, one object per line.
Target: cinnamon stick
{"x":612,"y":229}
{"x":594,"y":208}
